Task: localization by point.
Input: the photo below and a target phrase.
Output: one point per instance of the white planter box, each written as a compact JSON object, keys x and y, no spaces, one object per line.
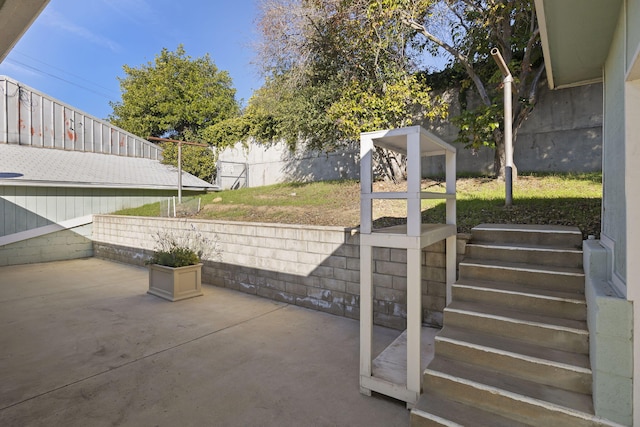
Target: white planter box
{"x":175,"y":283}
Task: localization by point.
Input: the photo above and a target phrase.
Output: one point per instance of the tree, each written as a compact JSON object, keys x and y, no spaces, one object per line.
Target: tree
{"x":176,"y":97}
{"x":333,"y":69}
{"x":467,"y":30}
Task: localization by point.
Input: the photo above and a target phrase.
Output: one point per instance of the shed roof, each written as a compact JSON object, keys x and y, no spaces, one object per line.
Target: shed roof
{"x":46,"y":167}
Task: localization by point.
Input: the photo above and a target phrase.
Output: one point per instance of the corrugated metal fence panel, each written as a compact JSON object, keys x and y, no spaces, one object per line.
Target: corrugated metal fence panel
{"x":29,"y":117}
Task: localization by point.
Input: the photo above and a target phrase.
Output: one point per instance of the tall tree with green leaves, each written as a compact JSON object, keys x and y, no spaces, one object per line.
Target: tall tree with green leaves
{"x":177,"y":97}
{"x":333,"y":69}
{"x":465,"y":31}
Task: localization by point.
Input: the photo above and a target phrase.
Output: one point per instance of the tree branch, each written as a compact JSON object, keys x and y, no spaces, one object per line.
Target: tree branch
{"x":456,"y":54}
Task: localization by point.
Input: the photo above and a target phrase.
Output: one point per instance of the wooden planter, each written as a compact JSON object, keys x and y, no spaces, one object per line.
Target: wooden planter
{"x":175,"y":283}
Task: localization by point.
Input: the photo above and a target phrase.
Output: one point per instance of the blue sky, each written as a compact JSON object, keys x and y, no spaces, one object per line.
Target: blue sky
{"x":75,"y":49}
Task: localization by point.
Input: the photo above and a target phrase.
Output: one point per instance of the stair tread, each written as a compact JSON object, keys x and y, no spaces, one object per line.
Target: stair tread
{"x":492,"y":310}
{"x":467,"y":372}
{"x":564,"y":229}
{"x":525,"y":246}
{"x":511,"y":345}
{"x":523,"y":289}
{"x":459,"y":413}
{"x":572,"y":271}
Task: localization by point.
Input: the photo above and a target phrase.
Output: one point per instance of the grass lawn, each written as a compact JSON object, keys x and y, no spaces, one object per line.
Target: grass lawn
{"x":563,"y":199}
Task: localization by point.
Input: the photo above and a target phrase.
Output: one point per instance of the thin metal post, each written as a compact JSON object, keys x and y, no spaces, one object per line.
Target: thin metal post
{"x":508,"y":136}
{"x":179,"y":172}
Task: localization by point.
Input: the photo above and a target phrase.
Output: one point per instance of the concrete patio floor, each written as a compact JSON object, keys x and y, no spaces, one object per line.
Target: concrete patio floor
{"x":82,"y":344}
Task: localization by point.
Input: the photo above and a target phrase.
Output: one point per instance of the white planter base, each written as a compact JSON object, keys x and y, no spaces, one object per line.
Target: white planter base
{"x":175,"y":283}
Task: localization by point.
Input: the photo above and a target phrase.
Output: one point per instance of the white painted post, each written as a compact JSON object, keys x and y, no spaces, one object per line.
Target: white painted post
{"x":414,"y":179}
{"x":414,"y":318}
{"x":366,"y":314}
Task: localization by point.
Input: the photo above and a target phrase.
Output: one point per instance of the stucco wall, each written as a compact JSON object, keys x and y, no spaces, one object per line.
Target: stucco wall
{"x":313,"y":267}
{"x":614,"y":233}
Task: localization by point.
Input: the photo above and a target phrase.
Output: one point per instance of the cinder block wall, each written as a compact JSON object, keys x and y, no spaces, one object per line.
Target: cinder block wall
{"x":313,"y":267}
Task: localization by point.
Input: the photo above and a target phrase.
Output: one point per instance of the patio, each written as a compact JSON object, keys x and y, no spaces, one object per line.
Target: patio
{"x":83,"y":344}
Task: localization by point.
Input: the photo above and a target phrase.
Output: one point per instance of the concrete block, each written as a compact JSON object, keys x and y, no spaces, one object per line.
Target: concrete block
{"x":352,"y":312}
{"x":352,"y":288}
{"x":350,"y":251}
{"x":276,"y":295}
{"x":391,"y":295}
{"x":353,"y":264}
{"x":437,"y":289}
{"x":434,"y":274}
{"x":381,"y":254}
{"x":399,"y":283}
{"x":398,"y":255}
{"x":399,"y":310}
{"x":335,"y":262}
{"x":275,"y":284}
{"x":384,"y":280}
{"x":322,"y":248}
{"x":313,"y":259}
{"x":296,"y":289}
{"x":434,"y":259}
{"x":320,"y":305}
{"x":390,"y":268}
{"x":323,"y":272}
{"x":333,"y":285}
{"x":439,"y":247}
{"x":346,"y":275}
{"x":432,"y":318}
{"x":296,"y":245}
{"x":288,"y":233}
{"x":321,"y":294}
{"x":265,"y":231}
{"x":392,"y":322}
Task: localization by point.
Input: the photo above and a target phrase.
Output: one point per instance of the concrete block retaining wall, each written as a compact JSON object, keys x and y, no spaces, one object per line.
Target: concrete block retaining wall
{"x":313,"y":267}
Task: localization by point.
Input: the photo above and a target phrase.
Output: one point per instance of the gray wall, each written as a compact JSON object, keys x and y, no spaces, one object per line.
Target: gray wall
{"x":30,"y":229}
{"x":563,"y":134}
{"x":313,"y":267}
{"x":275,"y":164}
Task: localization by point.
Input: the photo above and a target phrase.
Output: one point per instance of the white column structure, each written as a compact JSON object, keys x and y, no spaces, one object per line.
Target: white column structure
{"x":380,"y":374}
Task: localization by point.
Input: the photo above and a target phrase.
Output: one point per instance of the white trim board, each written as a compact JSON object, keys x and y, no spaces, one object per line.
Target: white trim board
{"x":47,"y":229}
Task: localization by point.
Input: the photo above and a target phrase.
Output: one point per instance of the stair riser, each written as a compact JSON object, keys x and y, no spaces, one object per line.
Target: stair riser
{"x":538,"y":257}
{"x":561,"y":339}
{"x":557,"y":376}
{"x":530,"y":304}
{"x":415,"y":420}
{"x":562,"y":240}
{"x":539,"y":279}
{"x":502,"y":404}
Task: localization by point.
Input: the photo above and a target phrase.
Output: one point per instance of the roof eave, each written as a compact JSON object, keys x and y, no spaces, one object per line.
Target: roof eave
{"x":576,"y":36}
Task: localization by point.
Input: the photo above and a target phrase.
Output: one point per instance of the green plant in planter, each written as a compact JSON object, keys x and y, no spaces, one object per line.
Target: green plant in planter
{"x":189,"y":247}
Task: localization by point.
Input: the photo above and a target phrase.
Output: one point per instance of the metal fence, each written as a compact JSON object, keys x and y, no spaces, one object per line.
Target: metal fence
{"x":29,"y":117}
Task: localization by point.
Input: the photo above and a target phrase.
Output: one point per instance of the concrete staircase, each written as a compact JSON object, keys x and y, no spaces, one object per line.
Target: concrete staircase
{"x":514,"y":348}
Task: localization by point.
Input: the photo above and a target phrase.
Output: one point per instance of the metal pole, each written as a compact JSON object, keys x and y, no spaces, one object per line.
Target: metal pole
{"x":508,"y":141}
{"x":508,"y":134}
{"x":179,"y":172}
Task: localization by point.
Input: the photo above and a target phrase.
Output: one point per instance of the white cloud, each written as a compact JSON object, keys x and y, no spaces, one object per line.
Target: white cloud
{"x":57,"y":20}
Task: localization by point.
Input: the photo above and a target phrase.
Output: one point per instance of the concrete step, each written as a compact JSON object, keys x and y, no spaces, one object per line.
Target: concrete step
{"x":564,"y":370}
{"x":565,"y":279}
{"x":522,"y":253}
{"x":509,"y":397}
{"x":551,"y":332}
{"x":544,"y":235}
{"x":534,"y":300}
{"x":434,"y":410}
